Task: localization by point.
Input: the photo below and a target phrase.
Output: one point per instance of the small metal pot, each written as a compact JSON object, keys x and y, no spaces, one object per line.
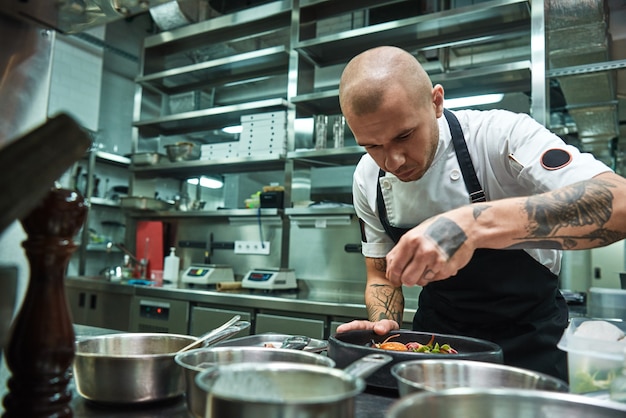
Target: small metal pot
{"x":497,"y":403}
{"x":435,"y":375}
{"x":129,"y":367}
{"x":195,"y":361}
{"x":278,"y":389}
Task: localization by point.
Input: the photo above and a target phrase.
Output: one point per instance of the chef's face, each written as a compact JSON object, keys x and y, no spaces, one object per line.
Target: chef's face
{"x":401,"y":135}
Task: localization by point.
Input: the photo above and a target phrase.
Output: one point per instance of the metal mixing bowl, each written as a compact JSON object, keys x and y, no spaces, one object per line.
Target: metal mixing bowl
{"x":498,"y":403}
{"x":435,"y":375}
{"x":180,"y":151}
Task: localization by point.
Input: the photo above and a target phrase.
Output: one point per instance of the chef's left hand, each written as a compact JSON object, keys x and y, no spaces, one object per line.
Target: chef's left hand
{"x":434,"y":250}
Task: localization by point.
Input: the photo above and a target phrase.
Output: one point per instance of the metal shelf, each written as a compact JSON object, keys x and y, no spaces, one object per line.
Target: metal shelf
{"x":463,"y":25}
{"x":233,"y":26}
{"x":187,"y":169}
{"x":225,"y":213}
{"x":327,"y":157}
{"x":495,"y":78}
{"x":236,"y":68}
{"x":207,"y":119}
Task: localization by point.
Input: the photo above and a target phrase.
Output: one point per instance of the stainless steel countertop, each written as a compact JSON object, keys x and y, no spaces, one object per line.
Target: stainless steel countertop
{"x":334,"y":302}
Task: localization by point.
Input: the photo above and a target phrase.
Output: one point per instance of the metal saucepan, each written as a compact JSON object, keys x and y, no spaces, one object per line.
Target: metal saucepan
{"x":272,"y":339}
{"x":278,"y":389}
{"x":497,"y":403}
{"x":195,"y":361}
{"x":349,"y":346}
{"x":134,"y":367}
{"x":436,"y":375}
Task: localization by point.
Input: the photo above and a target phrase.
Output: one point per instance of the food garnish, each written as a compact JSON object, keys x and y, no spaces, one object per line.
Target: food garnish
{"x":415,"y":346}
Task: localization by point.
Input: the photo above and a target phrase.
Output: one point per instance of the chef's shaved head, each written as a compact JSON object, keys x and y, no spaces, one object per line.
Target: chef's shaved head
{"x":379,"y":71}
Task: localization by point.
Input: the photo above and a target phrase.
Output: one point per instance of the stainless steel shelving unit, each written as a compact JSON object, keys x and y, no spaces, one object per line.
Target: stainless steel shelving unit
{"x":287,"y":55}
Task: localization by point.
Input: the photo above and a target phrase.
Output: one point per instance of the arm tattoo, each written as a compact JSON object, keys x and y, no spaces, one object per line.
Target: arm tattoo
{"x":447,"y":234}
{"x":582,"y":204}
{"x":478,"y":209}
{"x":380,"y":264}
{"x":388,"y":300}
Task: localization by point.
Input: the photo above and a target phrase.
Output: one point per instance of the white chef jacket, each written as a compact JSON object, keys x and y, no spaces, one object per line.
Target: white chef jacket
{"x":506,"y":149}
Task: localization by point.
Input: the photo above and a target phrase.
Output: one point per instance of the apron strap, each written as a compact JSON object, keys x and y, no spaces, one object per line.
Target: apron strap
{"x":394,"y":233}
{"x":473,"y":186}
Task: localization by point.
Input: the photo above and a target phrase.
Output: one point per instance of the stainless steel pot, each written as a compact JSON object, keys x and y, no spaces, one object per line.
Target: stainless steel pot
{"x":195,"y":361}
{"x":129,"y":367}
{"x":435,"y":375}
{"x":137,"y":367}
{"x":278,"y":389}
{"x":497,"y":403}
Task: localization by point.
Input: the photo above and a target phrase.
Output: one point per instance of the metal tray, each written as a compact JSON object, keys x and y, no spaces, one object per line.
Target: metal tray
{"x":259,"y":340}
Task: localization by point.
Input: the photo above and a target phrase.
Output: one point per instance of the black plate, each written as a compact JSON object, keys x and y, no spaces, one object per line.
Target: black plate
{"x":347,"y":347}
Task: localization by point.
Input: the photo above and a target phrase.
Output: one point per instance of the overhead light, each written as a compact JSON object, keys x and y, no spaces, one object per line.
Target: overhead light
{"x":208,"y":182}
{"x":236,"y":129}
{"x":473,"y":101}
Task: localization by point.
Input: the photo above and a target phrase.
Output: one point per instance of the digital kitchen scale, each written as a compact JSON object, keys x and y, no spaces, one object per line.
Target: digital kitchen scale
{"x":270,"y":279}
{"x":204,"y":274}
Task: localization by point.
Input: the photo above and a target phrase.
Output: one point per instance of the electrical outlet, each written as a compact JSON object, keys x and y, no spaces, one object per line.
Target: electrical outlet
{"x":252,"y":247}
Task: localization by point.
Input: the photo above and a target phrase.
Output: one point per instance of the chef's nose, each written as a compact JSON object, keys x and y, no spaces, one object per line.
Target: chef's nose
{"x":394,"y":159}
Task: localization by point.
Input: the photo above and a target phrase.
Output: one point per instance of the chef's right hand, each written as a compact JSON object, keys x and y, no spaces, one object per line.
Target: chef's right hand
{"x":382,"y":327}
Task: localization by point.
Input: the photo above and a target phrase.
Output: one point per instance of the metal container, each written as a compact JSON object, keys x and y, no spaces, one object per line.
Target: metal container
{"x":146,"y":158}
{"x":273,"y":339}
{"x":129,"y":367}
{"x":498,"y":403}
{"x":195,"y":361}
{"x":278,"y":389}
{"x":144,"y":203}
{"x":435,"y":375}
{"x":346,"y":347}
{"x":180,"y":151}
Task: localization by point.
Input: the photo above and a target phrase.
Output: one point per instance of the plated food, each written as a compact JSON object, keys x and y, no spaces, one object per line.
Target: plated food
{"x":430,"y":347}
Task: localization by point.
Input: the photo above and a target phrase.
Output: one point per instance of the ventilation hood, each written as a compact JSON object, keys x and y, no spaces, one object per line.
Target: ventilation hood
{"x":74,"y":16}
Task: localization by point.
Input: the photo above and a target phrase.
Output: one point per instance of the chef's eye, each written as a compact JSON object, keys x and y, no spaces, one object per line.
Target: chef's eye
{"x":405,"y":135}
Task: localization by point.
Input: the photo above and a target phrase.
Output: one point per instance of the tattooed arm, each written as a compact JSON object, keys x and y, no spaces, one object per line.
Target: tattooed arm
{"x":583,"y":215}
{"x":384,"y":301}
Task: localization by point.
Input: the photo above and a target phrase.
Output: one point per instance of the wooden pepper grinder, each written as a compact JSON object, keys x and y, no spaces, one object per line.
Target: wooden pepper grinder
{"x":41,"y":345}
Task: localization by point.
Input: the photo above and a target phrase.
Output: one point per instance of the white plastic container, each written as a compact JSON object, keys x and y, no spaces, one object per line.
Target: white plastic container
{"x":171,"y":267}
{"x":592,"y":364}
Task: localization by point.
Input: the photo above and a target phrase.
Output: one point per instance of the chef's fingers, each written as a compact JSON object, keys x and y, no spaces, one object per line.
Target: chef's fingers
{"x":380,"y":327}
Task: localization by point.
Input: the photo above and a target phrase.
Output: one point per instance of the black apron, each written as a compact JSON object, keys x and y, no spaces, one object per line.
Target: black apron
{"x":504,"y":296}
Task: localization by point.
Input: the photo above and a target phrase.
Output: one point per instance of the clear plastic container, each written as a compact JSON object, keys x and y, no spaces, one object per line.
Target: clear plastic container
{"x":592,"y":364}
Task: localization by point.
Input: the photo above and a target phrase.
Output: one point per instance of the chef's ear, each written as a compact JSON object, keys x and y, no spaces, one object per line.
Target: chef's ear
{"x":438,"y":96}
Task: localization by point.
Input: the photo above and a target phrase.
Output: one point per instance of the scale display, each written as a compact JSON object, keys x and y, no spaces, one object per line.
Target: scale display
{"x":197,"y":272}
{"x":260,"y":277}
{"x":270,"y":279}
{"x":207,"y":274}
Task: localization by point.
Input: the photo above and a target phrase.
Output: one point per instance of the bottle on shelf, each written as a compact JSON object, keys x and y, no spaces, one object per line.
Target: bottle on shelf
{"x":171,"y":266}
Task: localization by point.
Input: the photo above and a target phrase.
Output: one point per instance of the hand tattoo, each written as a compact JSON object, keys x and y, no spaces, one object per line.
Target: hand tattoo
{"x":447,"y":235}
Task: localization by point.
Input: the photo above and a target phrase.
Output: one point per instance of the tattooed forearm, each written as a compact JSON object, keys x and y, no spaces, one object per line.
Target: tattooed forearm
{"x":385,"y":302}
{"x":447,"y":234}
{"x":583,"y":204}
{"x":380,"y":264}
{"x":588,"y":203}
{"x":478,"y":209}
